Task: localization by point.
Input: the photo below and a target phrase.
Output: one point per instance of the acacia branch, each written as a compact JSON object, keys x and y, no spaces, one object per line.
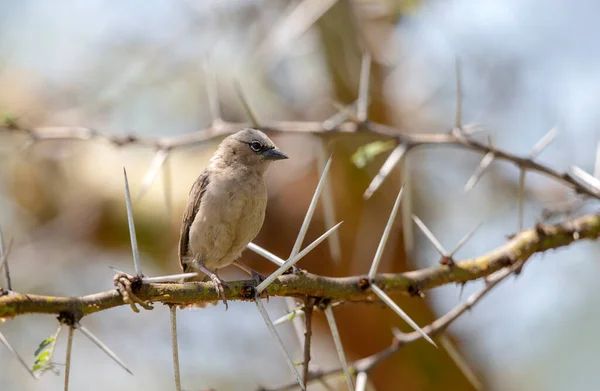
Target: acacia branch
{"x":433,"y":329}
{"x":221,"y":129}
{"x":353,"y":289}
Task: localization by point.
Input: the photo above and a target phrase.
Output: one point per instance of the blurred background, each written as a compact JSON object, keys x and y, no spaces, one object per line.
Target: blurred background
{"x":139,"y":67}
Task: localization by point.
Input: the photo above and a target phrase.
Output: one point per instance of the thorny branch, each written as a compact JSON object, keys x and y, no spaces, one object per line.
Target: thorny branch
{"x":402,"y":339}
{"x":221,"y":129}
{"x":519,"y":249}
{"x":495,"y":265}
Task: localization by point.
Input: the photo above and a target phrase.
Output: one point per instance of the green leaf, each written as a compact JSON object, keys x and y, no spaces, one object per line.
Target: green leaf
{"x":43,"y":357}
{"x":43,"y":345}
{"x":367,"y":152}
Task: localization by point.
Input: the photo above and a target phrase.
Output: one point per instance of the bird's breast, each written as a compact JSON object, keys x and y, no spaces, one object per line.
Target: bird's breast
{"x":230,"y":216}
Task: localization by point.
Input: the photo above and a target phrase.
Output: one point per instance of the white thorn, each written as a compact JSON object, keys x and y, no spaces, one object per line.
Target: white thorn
{"x":386,"y":234}
{"x":544,"y":142}
{"x":338,"y":346}
{"x":311,"y":209}
{"x":280,"y":345}
{"x":440,"y":249}
{"x":134,"y":245}
{"x":102,"y":346}
{"x":265,"y":254}
{"x":390,"y":303}
{"x":483,"y":165}
{"x":385,"y":170}
{"x":289,"y":263}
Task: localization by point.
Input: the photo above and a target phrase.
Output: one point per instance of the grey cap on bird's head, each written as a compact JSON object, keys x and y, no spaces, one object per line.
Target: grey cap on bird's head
{"x":260,"y":143}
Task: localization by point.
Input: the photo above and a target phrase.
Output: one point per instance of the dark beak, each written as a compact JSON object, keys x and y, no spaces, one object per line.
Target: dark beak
{"x":274,"y":154}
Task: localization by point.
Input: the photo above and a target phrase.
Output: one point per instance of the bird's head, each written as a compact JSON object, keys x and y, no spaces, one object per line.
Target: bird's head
{"x":250,"y":147}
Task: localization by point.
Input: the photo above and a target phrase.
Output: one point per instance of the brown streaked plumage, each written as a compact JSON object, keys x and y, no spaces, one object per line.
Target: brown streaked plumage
{"x":226,"y":205}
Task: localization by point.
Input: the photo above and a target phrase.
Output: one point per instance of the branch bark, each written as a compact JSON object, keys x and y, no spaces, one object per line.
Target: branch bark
{"x":354,"y":289}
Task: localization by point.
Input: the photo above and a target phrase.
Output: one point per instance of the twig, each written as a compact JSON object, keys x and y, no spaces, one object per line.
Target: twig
{"x":308,"y":311}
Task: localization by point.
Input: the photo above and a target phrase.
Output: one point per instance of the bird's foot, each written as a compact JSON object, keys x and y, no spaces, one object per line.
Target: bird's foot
{"x":218,"y":284}
{"x":125,"y":285}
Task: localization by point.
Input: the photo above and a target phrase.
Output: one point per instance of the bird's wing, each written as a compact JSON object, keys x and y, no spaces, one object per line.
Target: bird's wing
{"x":191,"y":209}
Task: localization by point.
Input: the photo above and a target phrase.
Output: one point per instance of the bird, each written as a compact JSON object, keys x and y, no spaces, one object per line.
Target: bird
{"x":226,"y":207}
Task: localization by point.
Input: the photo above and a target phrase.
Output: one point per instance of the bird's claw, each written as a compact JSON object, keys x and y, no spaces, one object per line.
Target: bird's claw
{"x":125,"y":284}
{"x":219,"y":288}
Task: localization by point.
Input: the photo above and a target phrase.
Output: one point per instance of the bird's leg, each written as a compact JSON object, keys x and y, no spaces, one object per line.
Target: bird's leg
{"x":217,"y":281}
{"x":256,"y":276}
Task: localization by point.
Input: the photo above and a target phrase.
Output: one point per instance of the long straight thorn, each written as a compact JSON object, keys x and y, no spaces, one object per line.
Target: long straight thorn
{"x":483,"y":165}
{"x":338,"y":346}
{"x":386,"y":234}
{"x":329,"y":206}
{"x":464,"y":240}
{"x":4,"y":252}
{"x":132,"y":235}
{"x":292,"y":261}
{"x":544,"y":142}
{"x":363,"y":87}
{"x":265,"y":254}
{"x":16,"y":354}
{"x":280,"y":345}
{"x":460,"y":362}
{"x":247,"y":108}
{"x":385,"y":170}
{"x":212,"y":93}
{"x":390,"y":303}
{"x":440,"y":249}
{"x":171,"y":277}
{"x":361,"y":381}
{"x":102,"y":346}
{"x":597,"y":162}
{"x":521,"y":197}
{"x":157,"y":163}
{"x":588,"y":179}
{"x":459,"y":97}
{"x":311,"y":209}
{"x":68,"y":356}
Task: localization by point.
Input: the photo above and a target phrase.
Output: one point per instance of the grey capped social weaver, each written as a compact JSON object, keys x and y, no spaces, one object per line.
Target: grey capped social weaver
{"x":226,"y":206}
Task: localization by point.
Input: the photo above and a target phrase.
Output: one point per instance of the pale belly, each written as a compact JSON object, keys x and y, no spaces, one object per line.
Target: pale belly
{"x":226,"y":223}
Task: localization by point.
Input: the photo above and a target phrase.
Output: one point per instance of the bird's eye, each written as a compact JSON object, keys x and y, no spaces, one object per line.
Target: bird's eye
{"x":256,"y":146}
